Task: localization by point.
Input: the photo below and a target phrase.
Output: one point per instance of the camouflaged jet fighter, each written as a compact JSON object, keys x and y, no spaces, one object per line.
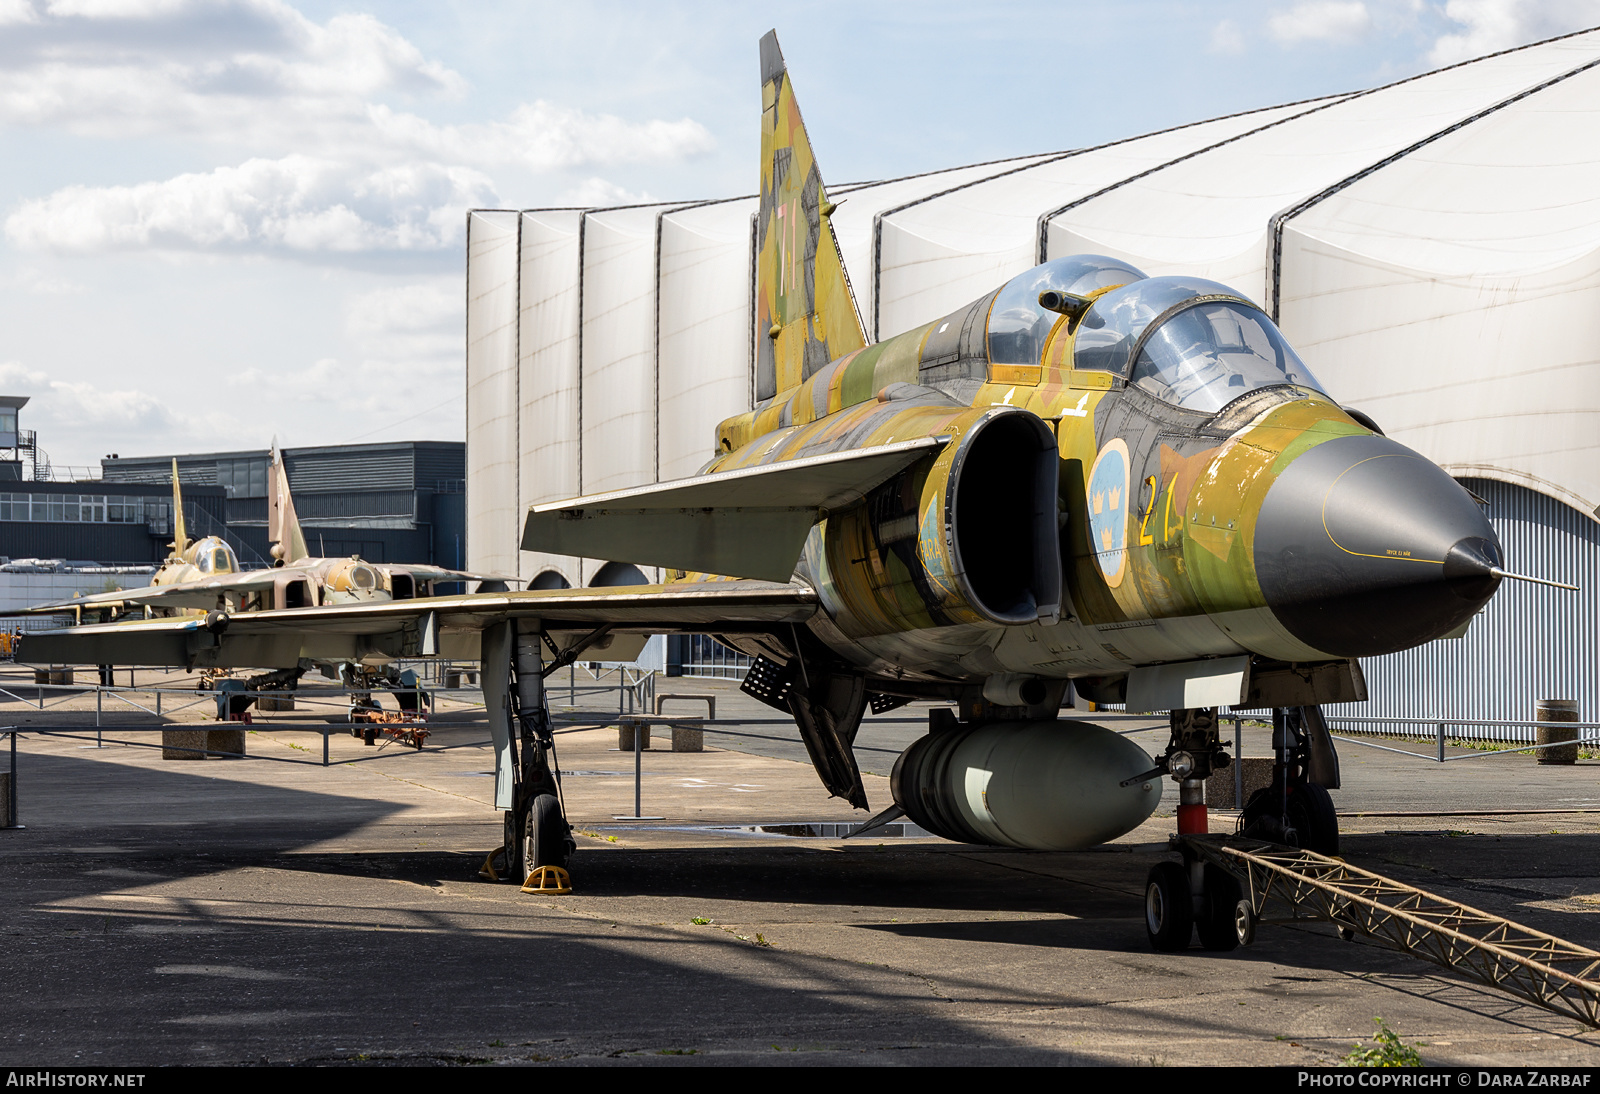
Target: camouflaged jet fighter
{"x":1088,"y":481}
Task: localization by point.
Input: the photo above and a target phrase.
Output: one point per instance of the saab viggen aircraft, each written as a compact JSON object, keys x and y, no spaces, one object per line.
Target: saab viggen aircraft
{"x":1088,"y":479}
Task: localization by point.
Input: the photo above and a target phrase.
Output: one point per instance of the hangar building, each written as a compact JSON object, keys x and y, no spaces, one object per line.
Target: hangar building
{"x":1431,"y":247}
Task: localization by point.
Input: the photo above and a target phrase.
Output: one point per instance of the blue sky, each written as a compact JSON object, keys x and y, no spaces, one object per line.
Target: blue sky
{"x":227,"y":220}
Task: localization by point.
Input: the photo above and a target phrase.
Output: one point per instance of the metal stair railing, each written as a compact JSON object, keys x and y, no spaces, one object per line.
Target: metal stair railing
{"x":1540,"y":968}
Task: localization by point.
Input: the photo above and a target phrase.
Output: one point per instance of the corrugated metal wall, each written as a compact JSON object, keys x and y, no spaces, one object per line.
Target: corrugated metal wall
{"x":365,"y":469}
{"x":1532,"y":642}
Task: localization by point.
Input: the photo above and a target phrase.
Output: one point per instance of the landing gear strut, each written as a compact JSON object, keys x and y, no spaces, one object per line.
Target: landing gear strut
{"x":1296,"y":808}
{"x":1195,"y":897}
{"x":536,"y":830}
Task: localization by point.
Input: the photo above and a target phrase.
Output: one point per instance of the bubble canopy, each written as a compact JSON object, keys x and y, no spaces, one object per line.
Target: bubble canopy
{"x":1189,"y":341}
{"x":1019,"y":327}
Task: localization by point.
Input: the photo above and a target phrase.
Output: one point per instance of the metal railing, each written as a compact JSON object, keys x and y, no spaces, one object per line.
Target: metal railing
{"x":1586,"y":735}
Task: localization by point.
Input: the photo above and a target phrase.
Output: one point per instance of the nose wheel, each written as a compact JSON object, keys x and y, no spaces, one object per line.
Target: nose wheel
{"x":1168,"y":907}
{"x":1174,"y":912}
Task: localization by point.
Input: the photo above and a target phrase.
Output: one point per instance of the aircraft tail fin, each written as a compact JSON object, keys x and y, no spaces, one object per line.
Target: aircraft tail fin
{"x":180,"y":534}
{"x":283,"y":526}
{"x":806,"y":314}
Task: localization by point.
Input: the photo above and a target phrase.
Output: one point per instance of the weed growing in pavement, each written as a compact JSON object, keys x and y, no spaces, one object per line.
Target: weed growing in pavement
{"x":1387,"y":1050}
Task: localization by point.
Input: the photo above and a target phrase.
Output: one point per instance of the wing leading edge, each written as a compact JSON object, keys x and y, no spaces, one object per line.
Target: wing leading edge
{"x":447,"y":626}
{"x":751,"y":522}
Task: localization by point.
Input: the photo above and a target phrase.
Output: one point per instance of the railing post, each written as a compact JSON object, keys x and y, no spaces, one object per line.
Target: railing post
{"x":1441,"y":742}
{"x":324,"y":746}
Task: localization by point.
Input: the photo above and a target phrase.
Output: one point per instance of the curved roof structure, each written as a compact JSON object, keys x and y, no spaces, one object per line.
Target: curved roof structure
{"x":1431,"y":247}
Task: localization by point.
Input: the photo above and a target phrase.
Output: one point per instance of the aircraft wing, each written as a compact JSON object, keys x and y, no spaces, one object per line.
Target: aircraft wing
{"x":750,"y":522}
{"x":444,"y":626}
{"x":188,"y":594}
{"x":438,"y":573}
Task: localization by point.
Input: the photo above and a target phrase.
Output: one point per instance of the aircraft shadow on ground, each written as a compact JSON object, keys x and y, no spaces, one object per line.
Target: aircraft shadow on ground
{"x":127,"y":806}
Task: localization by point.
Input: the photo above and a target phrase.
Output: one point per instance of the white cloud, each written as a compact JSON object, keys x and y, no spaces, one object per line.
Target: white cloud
{"x":411,"y":334}
{"x":295,"y":204}
{"x":202,"y":67}
{"x":339,"y":160}
{"x":15,"y":12}
{"x":1488,"y":26}
{"x":120,"y":419}
{"x":1227,"y":38}
{"x":545,"y":137}
{"x":259,"y":73}
{"x":32,"y":280}
{"x":1321,"y":21}
{"x":598,"y":191}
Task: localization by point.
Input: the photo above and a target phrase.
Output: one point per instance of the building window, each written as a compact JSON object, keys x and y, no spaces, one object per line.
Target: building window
{"x":81,"y":508}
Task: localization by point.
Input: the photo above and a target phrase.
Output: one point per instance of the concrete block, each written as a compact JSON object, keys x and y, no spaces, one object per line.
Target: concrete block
{"x":176,"y":743}
{"x":1219,"y":787}
{"x":698,"y":697}
{"x":225,"y":740}
{"x":688,"y":735}
{"x":275,"y":702}
{"x":625,"y":731}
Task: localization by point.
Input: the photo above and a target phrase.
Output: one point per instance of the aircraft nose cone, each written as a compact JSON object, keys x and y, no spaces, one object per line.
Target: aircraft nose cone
{"x":1362,"y":547}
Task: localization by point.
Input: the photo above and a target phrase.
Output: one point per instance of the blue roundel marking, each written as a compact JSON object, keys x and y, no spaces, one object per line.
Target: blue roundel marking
{"x":1108,"y":510}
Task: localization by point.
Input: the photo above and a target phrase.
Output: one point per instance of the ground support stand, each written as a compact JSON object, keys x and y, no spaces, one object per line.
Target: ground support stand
{"x":1300,"y":886}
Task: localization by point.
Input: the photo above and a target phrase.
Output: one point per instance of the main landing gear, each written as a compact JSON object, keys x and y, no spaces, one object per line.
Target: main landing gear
{"x":538,"y":839}
{"x":1192,"y":897}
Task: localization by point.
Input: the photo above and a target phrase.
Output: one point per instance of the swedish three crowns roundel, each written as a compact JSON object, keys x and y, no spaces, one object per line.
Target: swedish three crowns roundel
{"x":1108,"y":511}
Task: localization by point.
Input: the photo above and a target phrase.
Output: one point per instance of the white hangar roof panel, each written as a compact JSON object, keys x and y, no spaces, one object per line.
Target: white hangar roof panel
{"x":547,"y":365}
{"x":952,"y":248}
{"x":1455,"y":293}
{"x":861,"y":204}
{"x":1208,"y":214}
{"x":493,"y":520}
{"x":618,"y":362}
{"x":704,"y":333}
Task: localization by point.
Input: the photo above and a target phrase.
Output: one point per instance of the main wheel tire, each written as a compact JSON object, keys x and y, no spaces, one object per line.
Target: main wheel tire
{"x":1314,"y":818}
{"x":514,"y":826}
{"x":1215,"y":923}
{"x":1168,"y":907}
{"x":545,"y":839}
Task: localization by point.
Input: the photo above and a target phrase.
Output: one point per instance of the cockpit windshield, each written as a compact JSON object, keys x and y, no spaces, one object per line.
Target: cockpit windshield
{"x":1205,"y":357}
{"x":1019,"y":327}
{"x":215,"y":557}
{"x":1187,"y":341}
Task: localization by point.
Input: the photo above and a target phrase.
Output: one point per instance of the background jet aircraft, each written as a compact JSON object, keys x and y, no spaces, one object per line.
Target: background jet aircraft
{"x":1089,"y":478}
{"x":206,"y":576}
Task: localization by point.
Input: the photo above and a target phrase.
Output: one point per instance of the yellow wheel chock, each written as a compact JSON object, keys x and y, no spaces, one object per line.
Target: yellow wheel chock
{"x":548,"y":881}
{"x":487,"y":870}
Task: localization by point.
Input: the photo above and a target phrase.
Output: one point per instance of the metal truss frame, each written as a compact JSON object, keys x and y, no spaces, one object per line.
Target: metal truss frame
{"x":1540,"y":968}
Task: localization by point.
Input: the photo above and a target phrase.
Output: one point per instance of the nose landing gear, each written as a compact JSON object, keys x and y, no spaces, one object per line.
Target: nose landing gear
{"x":1195,"y":897}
